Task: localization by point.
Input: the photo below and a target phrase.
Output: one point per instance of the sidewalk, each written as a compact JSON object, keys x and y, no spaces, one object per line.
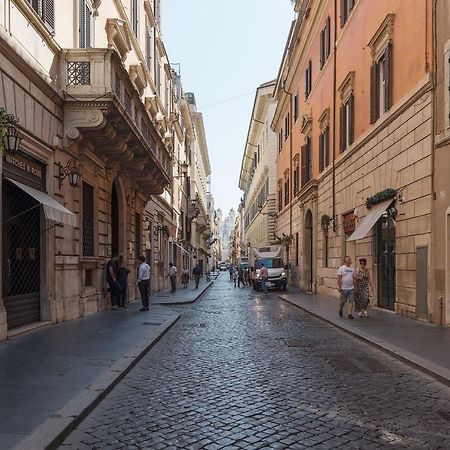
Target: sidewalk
{"x":182,"y":296}
{"x":425,"y":346}
{"x":52,"y":377}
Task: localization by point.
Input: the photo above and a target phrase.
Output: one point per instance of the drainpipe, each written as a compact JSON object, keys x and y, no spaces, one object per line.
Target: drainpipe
{"x":334,"y":116}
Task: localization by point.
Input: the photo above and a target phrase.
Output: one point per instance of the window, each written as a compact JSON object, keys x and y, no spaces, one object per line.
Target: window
{"x":295,"y":175}
{"x":324,"y":145}
{"x":287,"y":120}
{"x":295,"y":108}
{"x":347,"y":123}
{"x":88,"y":220}
{"x":297,"y":246}
{"x":280,"y":140}
{"x":286,"y":188}
{"x":46,"y":11}
{"x":157,"y":10}
{"x":85,"y":24}
{"x":447,"y":84}
{"x":381,"y":84}
{"x":306,"y":161}
{"x":346,"y":9}
{"x":325,"y":43}
{"x":148,"y":48}
{"x":308,"y":80}
{"x":134,"y":16}
{"x":280,"y":196}
{"x":137,"y":235}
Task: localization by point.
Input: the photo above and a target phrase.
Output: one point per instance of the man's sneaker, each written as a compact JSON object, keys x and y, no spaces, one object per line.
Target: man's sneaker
{"x":340,"y":313}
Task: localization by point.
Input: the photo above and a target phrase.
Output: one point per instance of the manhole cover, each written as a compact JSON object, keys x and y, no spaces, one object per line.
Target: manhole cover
{"x":151,"y":323}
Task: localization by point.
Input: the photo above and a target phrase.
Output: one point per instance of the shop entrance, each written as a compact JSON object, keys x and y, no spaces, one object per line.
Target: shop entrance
{"x":386,"y":257}
{"x":21,"y":256}
{"x":114,"y":221}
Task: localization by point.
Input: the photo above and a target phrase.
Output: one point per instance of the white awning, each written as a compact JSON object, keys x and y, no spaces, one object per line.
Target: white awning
{"x":178,"y":245}
{"x":370,"y":220}
{"x":52,"y":209}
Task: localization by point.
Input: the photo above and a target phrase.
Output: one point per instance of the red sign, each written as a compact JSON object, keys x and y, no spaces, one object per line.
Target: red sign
{"x":349,"y":222}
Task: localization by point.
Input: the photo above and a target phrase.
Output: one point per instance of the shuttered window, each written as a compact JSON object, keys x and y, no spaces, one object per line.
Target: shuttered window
{"x":287,"y":124}
{"x":46,"y":11}
{"x":148,"y":48}
{"x":324,"y":146}
{"x":295,"y":108}
{"x":325,"y":43}
{"x":308,"y":80}
{"x":306,"y":162}
{"x":295,"y":177}
{"x":381,"y":84}
{"x":85,"y":24}
{"x":134,"y":16}
{"x":280,"y":196}
{"x":346,"y":8}
{"x":286,"y":190}
{"x":347,"y":123}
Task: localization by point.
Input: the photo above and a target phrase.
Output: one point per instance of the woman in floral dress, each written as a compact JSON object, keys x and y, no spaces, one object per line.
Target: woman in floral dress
{"x":363,"y":286}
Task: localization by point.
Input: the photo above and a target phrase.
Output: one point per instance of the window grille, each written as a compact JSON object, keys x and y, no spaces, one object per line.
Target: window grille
{"x":137,"y":235}
{"x":88,"y":220}
{"x":79,"y":73}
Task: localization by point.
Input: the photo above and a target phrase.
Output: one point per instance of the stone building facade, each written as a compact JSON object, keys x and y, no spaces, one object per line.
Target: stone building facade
{"x":354,"y":124}
{"x":258,"y":172}
{"x":94,"y":93}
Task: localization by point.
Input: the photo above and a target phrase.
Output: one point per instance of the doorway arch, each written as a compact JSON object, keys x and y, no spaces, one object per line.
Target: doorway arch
{"x":308,"y":253}
{"x":118,"y":202}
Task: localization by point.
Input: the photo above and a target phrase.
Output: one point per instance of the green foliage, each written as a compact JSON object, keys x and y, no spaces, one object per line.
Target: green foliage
{"x":285,"y":239}
{"x":203,"y":252}
{"x":380,"y":197}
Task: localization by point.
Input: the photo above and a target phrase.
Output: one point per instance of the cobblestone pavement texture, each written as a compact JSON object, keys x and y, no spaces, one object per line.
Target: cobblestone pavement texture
{"x":244,"y":371}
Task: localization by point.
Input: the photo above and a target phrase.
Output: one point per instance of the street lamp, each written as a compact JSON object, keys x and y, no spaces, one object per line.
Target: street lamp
{"x":69,"y":171}
{"x":11,"y":140}
{"x":184,"y":166}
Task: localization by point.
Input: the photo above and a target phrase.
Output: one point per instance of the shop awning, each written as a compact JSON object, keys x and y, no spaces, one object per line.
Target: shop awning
{"x":370,"y":220}
{"x":178,"y":245}
{"x":52,"y":209}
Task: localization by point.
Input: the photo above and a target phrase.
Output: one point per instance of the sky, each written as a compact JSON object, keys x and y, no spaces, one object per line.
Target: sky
{"x":226,"y":49}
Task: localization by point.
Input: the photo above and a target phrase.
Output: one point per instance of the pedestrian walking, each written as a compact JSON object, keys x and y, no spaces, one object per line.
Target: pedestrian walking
{"x":240,"y":277}
{"x":111,"y":277}
{"x":234,"y":277}
{"x":231,"y":271}
{"x":246,"y":277}
{"x":173,"y":277}
{"x":197,"y":273}
{"x":122,"y":280}
{"x":363,"y":287}
{"x":264,"y":274}
{"x":144,"y":282}
{"x":345,"y":286}
{"x":185,"y":277}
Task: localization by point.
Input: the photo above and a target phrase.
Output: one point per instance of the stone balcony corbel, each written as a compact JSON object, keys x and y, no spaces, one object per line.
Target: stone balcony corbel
{"x":117,"y":37}
{"x":137,"y":76}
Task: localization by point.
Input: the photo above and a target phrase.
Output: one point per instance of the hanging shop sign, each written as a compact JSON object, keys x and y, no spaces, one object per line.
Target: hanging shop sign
{"x":349,"y":222}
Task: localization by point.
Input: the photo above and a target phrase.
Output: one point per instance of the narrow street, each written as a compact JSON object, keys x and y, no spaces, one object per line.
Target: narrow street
{"x":240,"y":370}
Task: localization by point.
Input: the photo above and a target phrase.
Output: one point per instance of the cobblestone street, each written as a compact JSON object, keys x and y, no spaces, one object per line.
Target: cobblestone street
{"x":240,"y":370}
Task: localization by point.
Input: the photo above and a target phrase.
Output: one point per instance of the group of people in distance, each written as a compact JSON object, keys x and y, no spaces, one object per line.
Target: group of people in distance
{"x":355,"y":287}
{"x":239,"y":276}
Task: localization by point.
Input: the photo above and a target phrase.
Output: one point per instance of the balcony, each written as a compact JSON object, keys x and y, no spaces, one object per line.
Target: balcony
{"x":103,"y":107}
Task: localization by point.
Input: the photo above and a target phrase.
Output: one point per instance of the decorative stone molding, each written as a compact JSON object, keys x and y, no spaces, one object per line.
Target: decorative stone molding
{"x":116,"y":35}
{"x":80,"y":118}
{"x":306,"y":124}
{"x":324,"y":119}
{"x":137,"y":76}
{"x":382,"y":37}
{"x":149,"y":12}
{"x":347,"y":86}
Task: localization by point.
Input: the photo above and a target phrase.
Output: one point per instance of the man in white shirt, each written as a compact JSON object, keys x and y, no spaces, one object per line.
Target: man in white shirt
{"x":173,"y":277}
{"x":144,"y":282}
{"x":345,"y":285}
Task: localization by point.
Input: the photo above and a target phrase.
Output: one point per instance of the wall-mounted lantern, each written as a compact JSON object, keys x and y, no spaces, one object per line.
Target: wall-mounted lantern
{"x":71,"y":172}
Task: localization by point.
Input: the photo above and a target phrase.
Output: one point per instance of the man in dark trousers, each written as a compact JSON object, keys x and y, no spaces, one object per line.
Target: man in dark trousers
{"x":196,"y":273}
{"x":122,"y":280}
{"x":173,"y":277}
{"x":144,"y":282}
{"x":111,"y":277}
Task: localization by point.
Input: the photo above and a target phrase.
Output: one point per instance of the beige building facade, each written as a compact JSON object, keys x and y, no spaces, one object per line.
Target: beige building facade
{"x":95,"y":96}
{"x":258,"y":172}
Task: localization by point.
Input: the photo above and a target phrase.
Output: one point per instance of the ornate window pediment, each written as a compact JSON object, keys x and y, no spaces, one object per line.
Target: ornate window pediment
{"x":382,"y":37}
{"x":117,"y":36}
{"x":347,"y":87}
{"x":306,"y":124}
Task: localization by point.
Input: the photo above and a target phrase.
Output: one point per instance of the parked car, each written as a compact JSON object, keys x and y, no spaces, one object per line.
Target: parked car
{"x":222,"y":267}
